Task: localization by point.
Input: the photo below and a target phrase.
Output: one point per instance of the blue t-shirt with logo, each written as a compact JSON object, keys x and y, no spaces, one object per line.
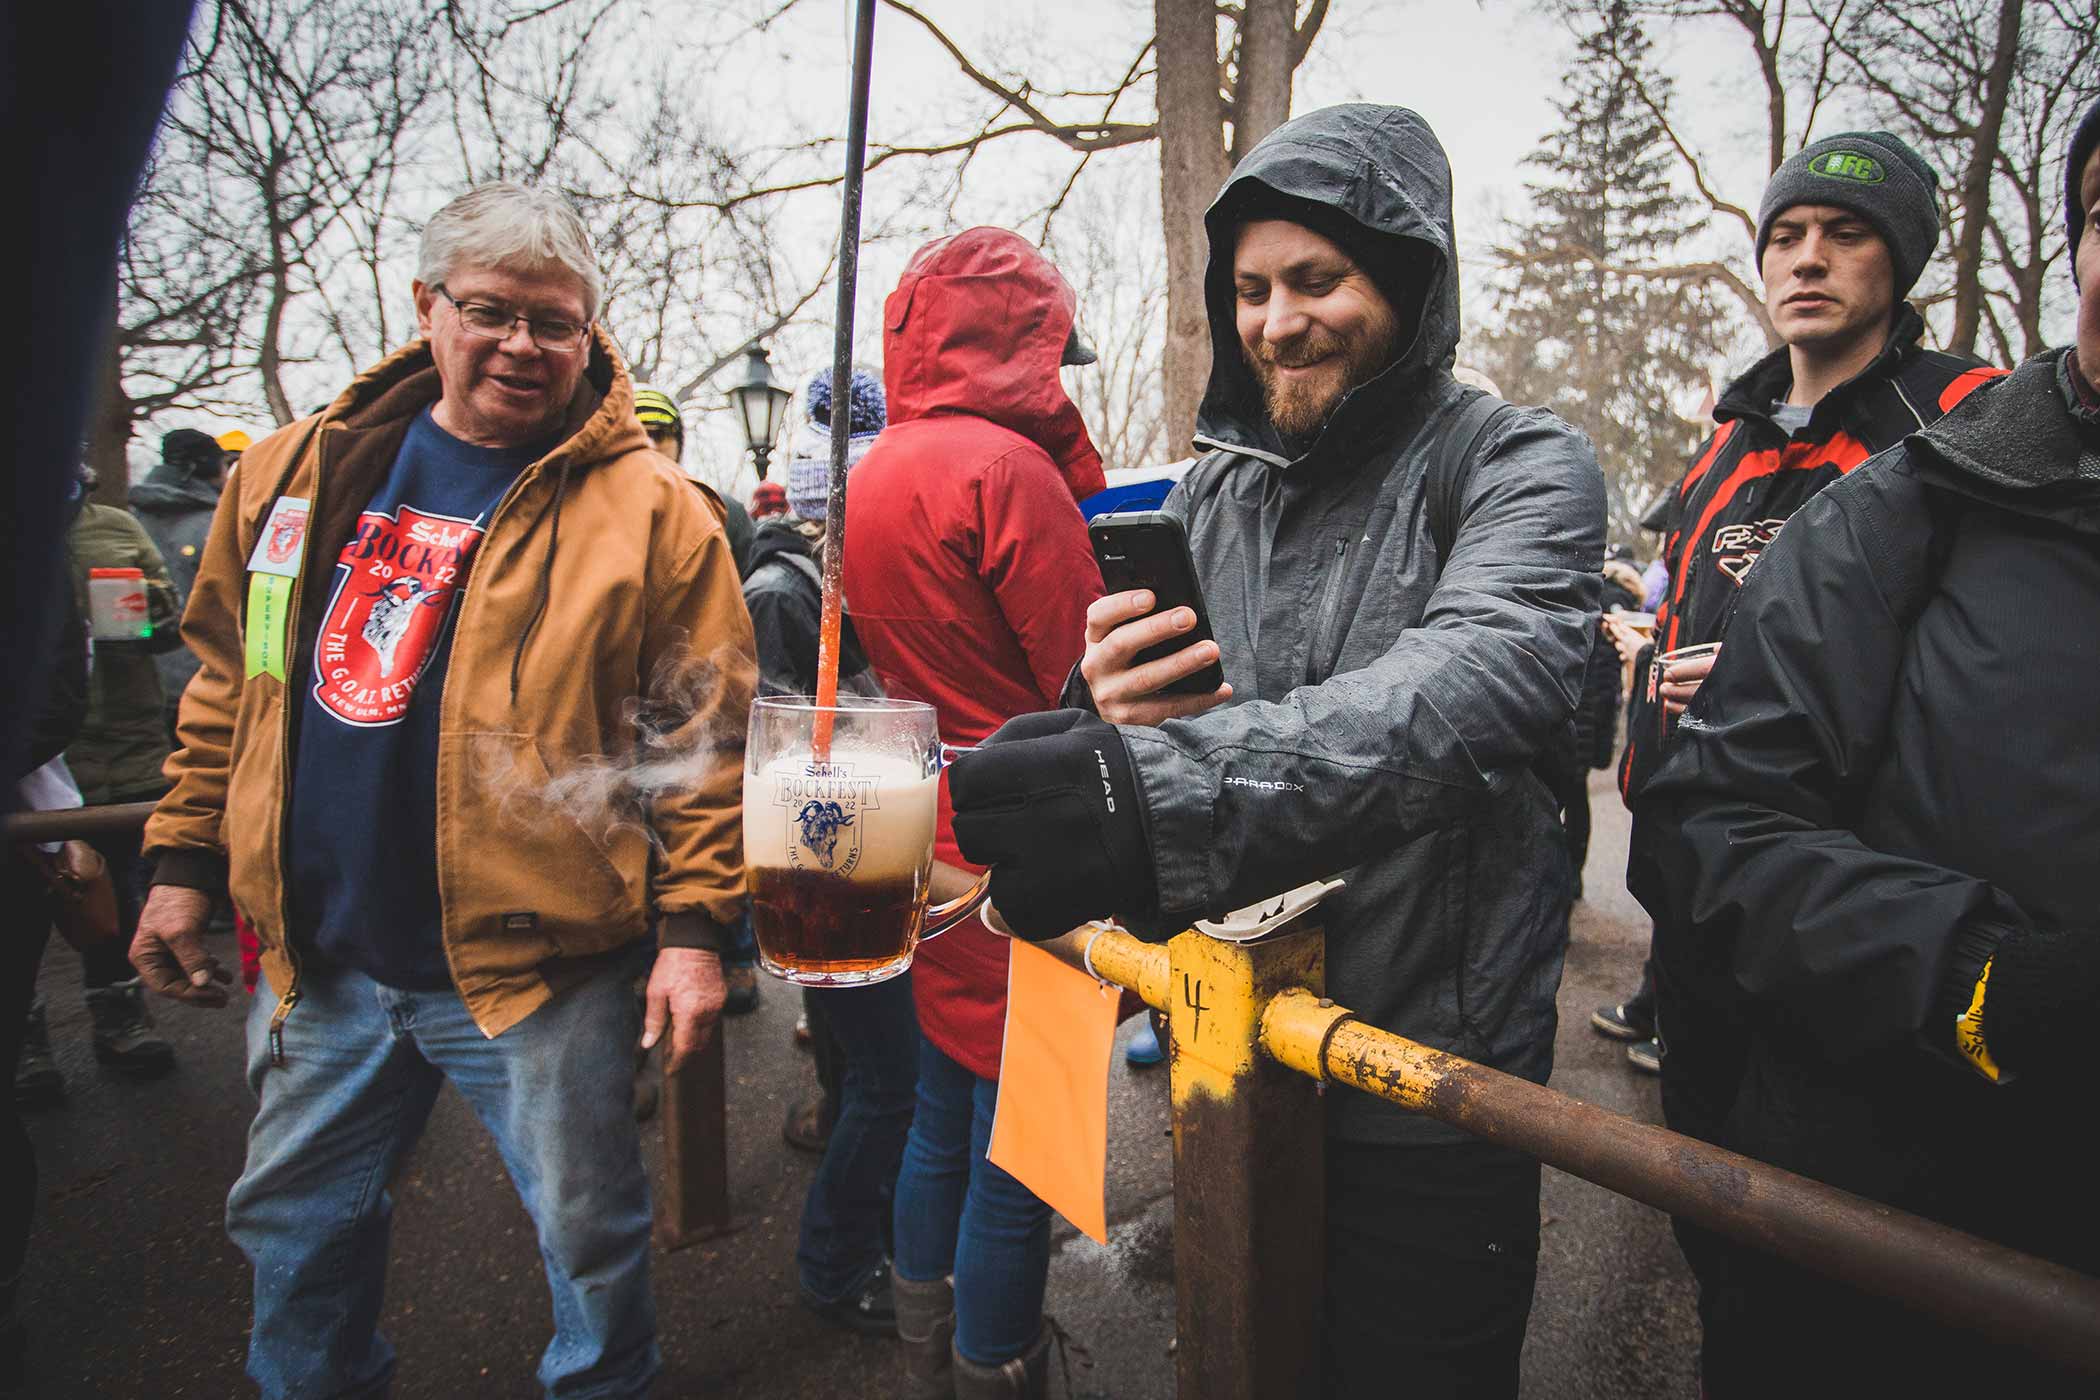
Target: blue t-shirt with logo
{"x":363,"y":824}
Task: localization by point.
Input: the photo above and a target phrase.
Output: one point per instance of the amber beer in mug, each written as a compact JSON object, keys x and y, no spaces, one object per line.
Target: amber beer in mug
{"x":838,"y":853}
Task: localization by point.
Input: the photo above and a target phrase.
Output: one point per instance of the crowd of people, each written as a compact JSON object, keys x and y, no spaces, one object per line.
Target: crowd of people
{"x":1864,"y":819}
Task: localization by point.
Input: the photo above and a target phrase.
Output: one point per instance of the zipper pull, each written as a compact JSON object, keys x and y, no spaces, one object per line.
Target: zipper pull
{"x":285,"y":1004}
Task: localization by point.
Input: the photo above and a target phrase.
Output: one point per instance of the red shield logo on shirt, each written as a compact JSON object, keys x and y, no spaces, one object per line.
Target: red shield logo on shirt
{"x":395,"y":582}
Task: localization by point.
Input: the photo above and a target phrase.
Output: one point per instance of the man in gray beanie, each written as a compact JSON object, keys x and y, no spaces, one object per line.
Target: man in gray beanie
{"x":1845,"y":229}
{"x":1873,"y":175}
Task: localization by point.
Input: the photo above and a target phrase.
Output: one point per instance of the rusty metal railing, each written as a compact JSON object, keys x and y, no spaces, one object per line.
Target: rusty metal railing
{"x":76,"y":823}
{"x":1253,"y":1040}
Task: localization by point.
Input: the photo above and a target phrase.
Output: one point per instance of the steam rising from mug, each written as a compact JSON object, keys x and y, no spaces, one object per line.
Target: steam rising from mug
{"x":683,"y":736}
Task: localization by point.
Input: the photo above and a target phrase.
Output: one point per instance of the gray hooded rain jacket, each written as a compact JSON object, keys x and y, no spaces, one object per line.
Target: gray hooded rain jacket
{"x":1389,"y":704}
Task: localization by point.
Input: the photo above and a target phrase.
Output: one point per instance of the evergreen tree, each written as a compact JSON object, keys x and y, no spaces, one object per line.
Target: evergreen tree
{"x":1587,"y":327}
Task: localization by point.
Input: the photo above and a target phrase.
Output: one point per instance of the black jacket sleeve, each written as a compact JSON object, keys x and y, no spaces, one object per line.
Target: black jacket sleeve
{"x":1745,"y":851}
{"x":57,"y":720}
{"x":1597,"y":726}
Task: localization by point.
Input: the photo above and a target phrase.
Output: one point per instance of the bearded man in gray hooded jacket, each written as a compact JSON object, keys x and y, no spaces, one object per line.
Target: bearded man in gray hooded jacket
{"x":1400,"y":574}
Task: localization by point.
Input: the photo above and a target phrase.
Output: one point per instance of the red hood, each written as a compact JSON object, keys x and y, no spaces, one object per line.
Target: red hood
{"x":977,"y":325}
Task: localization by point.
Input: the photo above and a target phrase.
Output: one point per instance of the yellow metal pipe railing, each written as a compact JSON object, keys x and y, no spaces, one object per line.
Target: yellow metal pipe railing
{"x":1941,"y":1272}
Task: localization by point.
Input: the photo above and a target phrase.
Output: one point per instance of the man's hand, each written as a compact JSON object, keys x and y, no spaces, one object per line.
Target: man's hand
{"x":1681,"y":680}
{"x":1050,"y":803}
{"x":168,"y":949}
{"x":1117,"y":629}
{"x":685,"y":993}
{"x":1625,"y":639}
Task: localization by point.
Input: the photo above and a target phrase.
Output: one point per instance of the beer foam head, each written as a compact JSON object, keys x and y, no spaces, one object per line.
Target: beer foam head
{"x":863,"y":815}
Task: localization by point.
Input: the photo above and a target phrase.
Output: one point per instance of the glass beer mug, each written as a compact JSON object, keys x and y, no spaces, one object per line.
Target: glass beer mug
{"x":838,"y":856}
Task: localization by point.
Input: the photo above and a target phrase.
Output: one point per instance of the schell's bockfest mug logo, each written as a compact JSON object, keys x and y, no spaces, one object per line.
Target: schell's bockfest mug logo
{"x":823,"y":805}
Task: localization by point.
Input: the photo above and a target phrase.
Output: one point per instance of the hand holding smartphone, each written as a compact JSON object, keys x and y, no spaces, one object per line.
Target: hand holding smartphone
{"x":1135,"y":661}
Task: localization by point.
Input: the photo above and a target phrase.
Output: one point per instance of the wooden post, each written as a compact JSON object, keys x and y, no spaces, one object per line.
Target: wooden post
{"x":694,"y":1204}
{"x":1249,"y":1172}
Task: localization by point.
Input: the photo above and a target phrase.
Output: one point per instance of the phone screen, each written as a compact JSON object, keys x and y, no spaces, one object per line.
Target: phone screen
{"x":1149,"y":549}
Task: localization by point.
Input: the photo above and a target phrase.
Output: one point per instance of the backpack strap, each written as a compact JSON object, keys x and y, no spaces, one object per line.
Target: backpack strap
{"x":1452,"y":466}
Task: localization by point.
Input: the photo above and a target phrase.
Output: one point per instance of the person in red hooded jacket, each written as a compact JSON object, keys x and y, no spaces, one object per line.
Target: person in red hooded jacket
{"x":968,"y":574}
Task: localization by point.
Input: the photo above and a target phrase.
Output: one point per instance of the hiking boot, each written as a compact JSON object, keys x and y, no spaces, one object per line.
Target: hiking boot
{"x":1024,"y":1377}
{"x":38,"y":1083}
{"x":869,"y":1309}
{"x":742,"y":997}
{"x":926,"y":1326}
{"x":1646,"y":1055}
{"x":1624,"y":1020}
{"x":808,"y":1125}
{"x":124,"y":1038}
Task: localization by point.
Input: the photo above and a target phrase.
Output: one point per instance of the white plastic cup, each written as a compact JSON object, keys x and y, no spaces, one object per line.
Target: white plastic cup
{"x":117,"y":605}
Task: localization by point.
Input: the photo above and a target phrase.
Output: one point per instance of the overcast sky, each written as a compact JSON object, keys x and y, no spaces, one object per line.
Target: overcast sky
{"x":1484,"y":75}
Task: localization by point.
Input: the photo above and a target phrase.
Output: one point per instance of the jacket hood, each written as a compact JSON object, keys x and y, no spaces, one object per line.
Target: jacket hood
{"x":774,"y":539}
{"x":977,"y":325}
{"x":1753,"y":392}
{"x":599,"y":426}
{"x":162,"y":497}
{"x":2016,"y":444}
{"x":1381,"y":169}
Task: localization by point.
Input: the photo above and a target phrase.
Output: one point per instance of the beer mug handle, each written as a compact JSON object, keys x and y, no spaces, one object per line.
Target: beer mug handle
{"x":942,"y":917}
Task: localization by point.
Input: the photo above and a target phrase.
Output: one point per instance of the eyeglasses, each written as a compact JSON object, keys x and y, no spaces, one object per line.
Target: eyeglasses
{"x":495,"y":322}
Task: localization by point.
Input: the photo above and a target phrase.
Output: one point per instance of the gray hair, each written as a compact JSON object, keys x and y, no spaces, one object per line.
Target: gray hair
{"x":502,"y":224}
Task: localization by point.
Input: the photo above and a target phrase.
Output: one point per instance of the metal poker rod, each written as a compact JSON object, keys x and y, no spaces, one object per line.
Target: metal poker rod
{"x":842,"y":376}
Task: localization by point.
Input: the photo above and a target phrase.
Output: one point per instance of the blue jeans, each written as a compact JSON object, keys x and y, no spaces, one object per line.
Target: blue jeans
{"x":958,"y":1214}
{"x":743,"y":941}
{"x":363,"y":1065}
{"x":846,"y":1217}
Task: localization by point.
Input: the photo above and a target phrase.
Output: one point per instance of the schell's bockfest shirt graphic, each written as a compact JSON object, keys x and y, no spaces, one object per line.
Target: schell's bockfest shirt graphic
{"x":395,"y":582}
{"x":363,"y":846}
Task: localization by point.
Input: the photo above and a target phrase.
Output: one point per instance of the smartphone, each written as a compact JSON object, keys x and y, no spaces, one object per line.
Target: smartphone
{"x":1149,"y":549}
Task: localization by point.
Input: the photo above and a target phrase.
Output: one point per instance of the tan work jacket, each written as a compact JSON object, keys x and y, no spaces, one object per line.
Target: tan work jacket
{"x":602,"y":604}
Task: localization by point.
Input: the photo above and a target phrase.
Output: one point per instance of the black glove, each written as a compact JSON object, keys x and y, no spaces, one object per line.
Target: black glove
{"x":2038,"y":1011}
{"x":1051,"y":805}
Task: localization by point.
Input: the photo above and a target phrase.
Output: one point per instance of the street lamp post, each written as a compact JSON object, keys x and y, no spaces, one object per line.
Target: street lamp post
{"x":761,"y":407}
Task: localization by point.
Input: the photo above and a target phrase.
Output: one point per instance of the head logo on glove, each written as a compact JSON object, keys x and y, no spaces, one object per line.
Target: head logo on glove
{"x":1108,"y":788}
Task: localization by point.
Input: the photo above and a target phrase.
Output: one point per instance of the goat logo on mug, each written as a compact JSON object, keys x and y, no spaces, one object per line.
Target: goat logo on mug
{"x":824,"y":803}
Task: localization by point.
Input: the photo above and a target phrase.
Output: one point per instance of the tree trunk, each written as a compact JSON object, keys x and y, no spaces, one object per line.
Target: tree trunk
{"x":1192,"y":167}
{"x":269,"y":359}
{"x":109,"y":418}
{"x":1261,"y":94}
{"x":1975,"y":199}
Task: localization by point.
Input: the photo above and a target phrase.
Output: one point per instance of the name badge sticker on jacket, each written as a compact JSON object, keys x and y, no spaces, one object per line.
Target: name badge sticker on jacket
{"x":272,"y":566}
{"x":282,"y":545}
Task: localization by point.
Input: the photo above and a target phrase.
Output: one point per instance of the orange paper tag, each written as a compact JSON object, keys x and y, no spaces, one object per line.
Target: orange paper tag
{"x":1050,"y":1130}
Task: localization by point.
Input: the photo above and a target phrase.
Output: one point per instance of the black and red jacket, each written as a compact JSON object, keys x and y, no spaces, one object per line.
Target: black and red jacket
{"x":1751,"y":475}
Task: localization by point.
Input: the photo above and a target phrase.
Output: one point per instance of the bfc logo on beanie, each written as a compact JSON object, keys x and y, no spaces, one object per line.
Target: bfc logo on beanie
{"x":1876,"y":176}
{"x":1849,"y":165}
